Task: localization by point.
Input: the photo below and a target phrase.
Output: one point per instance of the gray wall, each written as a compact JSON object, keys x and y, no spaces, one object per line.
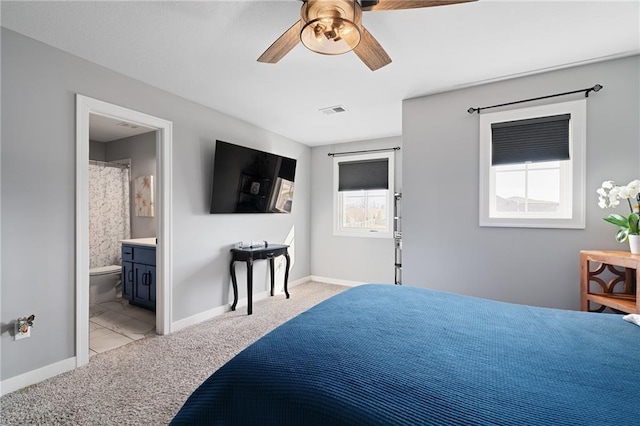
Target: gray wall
{"x":346,"y":258}
{"x":39,"y":84}
{"x":141,"y":149}
{"x":97,"y":151}
{"x":444,"y":248}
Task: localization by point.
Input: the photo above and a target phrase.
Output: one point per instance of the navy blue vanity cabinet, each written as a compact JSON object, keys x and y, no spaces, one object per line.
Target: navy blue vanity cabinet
{"x":144,"y":293}
{"x":127,"y":280}
{"x":139,"y":275}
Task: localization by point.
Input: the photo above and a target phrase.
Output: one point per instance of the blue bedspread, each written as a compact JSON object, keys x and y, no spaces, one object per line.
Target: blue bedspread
{"x":390,"y":355}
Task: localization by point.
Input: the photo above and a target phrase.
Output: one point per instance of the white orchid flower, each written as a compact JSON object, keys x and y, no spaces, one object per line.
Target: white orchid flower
{"x":627,"y":225}
{"x":613,"y":193}
{"x":624,"y":193}
{"x":634,"y":188}
{"x":602,"y":203}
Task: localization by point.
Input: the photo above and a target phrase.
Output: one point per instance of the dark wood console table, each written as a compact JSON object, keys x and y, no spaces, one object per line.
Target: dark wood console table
{"x":625,"y":299}
{"x":270,"y":252}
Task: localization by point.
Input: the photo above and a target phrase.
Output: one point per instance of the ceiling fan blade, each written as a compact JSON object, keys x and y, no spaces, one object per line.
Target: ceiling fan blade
{"x":406,"y":4}
{"x":370,"y":51}
{"x":282,"y":45}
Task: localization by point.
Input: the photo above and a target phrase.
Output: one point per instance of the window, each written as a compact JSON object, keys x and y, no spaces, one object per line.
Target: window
{"x":532,"y":166}
{"x":363,"y":195}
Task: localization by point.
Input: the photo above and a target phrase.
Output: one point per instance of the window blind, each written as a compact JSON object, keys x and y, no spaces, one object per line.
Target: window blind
{"x":363,"y":175}
{"x":534,"y":140}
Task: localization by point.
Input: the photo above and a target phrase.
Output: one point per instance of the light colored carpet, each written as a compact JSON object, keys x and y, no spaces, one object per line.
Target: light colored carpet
{"x":147,"y":381}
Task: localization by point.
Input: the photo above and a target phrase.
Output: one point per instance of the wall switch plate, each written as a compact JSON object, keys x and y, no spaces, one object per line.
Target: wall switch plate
{"x":21,"y":333}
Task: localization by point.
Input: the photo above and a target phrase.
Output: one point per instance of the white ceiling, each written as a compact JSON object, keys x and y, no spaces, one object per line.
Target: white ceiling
{"x":207,"y":51}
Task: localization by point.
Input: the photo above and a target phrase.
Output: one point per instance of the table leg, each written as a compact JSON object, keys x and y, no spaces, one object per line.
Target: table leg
{"x":584,"y":282}
{"x":249,"y":286}
{"x":286,"y":274}
{"x":232,"y":270}
{"x":272,"y":264}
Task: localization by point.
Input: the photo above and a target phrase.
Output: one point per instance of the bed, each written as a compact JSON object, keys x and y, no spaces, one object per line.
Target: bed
{"x":398,"y":355}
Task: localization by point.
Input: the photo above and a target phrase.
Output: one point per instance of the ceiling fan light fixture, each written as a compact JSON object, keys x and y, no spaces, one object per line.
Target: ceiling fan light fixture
{"x":330,"y":27}
{"x":330,"y":36}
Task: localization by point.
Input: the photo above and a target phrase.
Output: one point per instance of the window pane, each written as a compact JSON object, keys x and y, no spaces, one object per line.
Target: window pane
{"x":535,"y":189}
{"x":353,"y":211}
{"x":544,"y":190}
{"x":364,"y":209}
{"x":377,"y":211}
{"x":510,"y":191}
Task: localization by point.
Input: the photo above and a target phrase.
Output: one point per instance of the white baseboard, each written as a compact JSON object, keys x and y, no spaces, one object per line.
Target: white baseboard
{"x":35,"y":376}
{"x":300,"y":281}
{"x":242,"y":302}
{"x":198,"y":318}
{"x":336,"y":281}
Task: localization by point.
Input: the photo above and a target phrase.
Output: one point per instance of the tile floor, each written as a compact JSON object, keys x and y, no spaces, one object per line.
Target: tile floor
{"x":116,"y":323}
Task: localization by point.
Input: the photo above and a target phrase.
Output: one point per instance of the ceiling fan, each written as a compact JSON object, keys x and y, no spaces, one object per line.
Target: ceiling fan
{"x":334,"y":27}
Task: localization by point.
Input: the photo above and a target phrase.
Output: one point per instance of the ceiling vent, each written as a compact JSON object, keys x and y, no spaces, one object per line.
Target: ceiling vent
{"x":333,"y":110}
{"x":130,"y":125}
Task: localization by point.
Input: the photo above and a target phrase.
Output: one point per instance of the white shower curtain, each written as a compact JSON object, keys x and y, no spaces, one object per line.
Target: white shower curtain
{"x":109,"y":216}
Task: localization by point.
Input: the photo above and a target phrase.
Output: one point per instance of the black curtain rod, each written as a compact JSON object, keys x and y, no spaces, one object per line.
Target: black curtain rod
{"x":595,"y":88}
{"x":333,"y":154}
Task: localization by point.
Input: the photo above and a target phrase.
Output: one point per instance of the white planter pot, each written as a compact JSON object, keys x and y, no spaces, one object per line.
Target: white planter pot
{"x":634,"y":244}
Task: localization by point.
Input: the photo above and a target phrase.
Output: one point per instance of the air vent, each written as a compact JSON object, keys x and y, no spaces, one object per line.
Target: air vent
{"x":333,"y":110}
{"x":125,"y":124}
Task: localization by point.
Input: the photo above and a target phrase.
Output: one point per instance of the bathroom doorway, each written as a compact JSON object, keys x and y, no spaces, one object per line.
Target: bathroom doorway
{"x":89,"y":112}
{"x":121,"y":154}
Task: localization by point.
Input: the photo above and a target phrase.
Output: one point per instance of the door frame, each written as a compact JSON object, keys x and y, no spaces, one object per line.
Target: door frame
{"x":85,"y":106}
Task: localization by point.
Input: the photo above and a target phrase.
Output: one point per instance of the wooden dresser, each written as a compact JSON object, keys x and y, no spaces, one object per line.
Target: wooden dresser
{"x":609,"y":279}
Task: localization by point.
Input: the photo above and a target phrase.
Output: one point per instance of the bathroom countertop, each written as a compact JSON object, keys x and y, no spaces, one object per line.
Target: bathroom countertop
{"x":148,"y":242}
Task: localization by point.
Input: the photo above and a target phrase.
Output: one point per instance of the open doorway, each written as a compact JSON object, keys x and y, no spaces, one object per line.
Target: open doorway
{"x":122,"y":222}
{"x":90,"y":111}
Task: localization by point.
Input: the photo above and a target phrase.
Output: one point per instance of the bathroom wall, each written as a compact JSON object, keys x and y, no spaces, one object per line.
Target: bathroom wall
{"x":141,"y":149}
{"x":97,"y":151}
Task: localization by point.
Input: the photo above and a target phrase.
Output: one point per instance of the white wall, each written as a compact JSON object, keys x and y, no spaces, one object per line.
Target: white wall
{"x":39,"y":84}
{"x":352,"y":259}
{"x":444,"y":248}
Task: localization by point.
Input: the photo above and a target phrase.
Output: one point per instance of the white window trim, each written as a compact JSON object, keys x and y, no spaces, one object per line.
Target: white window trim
{"x":365,"y":233}
{"x":577,"y":152}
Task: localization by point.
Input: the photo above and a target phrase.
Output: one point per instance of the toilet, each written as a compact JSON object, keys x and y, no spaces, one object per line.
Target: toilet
{"x":103,"y":282}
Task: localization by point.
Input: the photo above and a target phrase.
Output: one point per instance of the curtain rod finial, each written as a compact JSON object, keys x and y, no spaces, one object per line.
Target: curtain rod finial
{"x":472,"y":110}
{"x":595,"y":88}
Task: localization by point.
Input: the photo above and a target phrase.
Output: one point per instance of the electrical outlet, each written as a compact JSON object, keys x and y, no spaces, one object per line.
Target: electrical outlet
{"x":22,"y":332}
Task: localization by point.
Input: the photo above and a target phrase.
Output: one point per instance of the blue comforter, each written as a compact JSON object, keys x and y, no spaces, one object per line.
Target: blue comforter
{"x":390,"y":355}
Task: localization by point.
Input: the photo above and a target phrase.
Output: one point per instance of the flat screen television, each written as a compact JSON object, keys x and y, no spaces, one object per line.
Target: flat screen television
{"x":246,"y":180}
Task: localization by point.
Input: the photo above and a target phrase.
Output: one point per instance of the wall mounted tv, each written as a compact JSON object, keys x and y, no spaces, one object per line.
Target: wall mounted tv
{"x":246,"y":180}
